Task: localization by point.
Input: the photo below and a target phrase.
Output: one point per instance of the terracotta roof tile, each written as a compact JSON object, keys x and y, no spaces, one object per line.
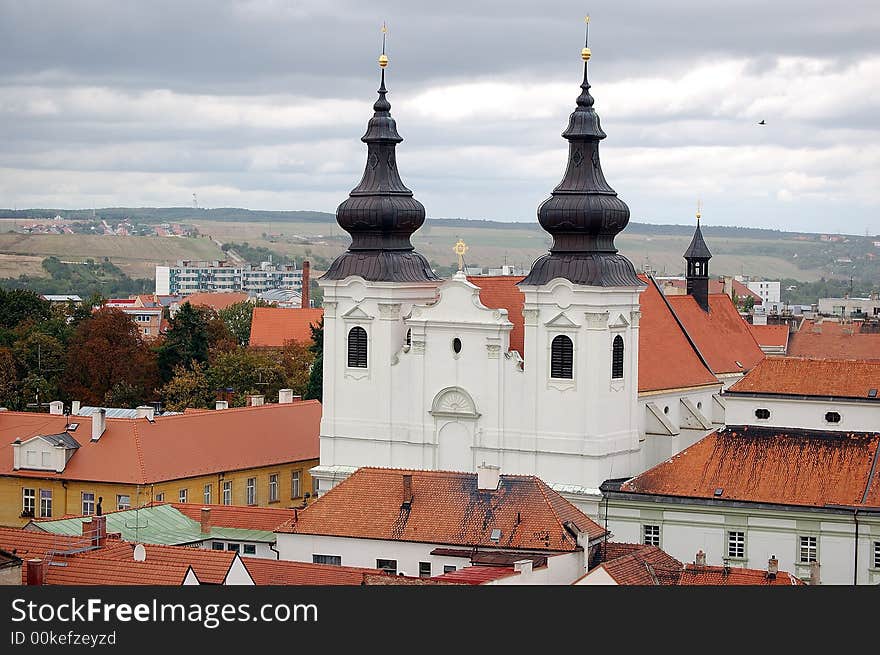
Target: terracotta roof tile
{"x":694,"y":575}
{"x":447,"y":509}
{"x":834,"y":340}
{"x":135,"y":451}
{"x":770,"y":336}
{"x":644,"y":566}
{"x":281,"y":572}
{"x":210,"y":566}
{"x":769,"y":465}
{"x":271,"y":327}
{"x":238,"y":516}
{"x":721,"y":335}
{"x":475,"y":575}
{"x":104,"y":571}
{"x":215,"y":301}
{"x":715,"y":286}
{"x":501,"y":292}
{"x":801,"y":376}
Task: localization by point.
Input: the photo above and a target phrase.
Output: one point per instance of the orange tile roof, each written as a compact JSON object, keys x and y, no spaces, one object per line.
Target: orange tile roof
{"x":834,"y":340}
{"x":662,"y":340}
{"x":694,"y":575}
{"x":715,"y":286}
{"x":501,"y":292}
{"x":802,"y":376}
{"x":105,"y":571}
{"x":271,"y":327}
{"x":644,"y":566}
{"x":474,"y":575}
{"x":447,"y":509}
{"x":281,"y":572}
{"x":770,"y":465}
{"x":210,"y":566}
{"x":767,"y":336}
{"x":721,"y":335}
{"x":135,"y":451}
{"x":215,"y":301}
{"x":238,"y":516}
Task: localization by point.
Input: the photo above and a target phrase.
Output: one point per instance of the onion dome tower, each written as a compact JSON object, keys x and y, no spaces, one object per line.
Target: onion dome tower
{"x":380,"y":213}
{"x":584,"y":213}
{"x":697,"y":256}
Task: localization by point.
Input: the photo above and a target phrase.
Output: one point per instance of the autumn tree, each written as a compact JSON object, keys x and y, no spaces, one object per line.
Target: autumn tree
{"x":185,"y":342}
{"x":108,"y":360}
{"x":187,"y":388}
{"x":247,"y":372}
{"x":315,"y":386}
{"x":296,"y":360}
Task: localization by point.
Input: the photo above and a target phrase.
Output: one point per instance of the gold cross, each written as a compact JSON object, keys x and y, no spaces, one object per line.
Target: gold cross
{"x":460,"y":249}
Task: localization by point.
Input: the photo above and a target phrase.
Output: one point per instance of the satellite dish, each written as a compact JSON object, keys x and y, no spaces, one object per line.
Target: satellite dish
{"x":140,"y":553}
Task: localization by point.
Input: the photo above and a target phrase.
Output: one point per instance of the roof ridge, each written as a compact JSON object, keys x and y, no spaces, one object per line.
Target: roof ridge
{"x":139,"y":453}
{"x":202,"y":412}
{"x":871,"y":475}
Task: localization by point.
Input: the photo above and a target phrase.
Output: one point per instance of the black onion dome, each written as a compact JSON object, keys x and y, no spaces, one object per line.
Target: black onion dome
{"x":380,"y":213}
{"x":583,"y":213}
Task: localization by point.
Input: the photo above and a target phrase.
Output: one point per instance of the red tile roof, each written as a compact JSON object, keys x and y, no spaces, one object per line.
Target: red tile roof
{"x":801,"y":376}
{"x":281,"y":572}
{"x":644,"y":566}
{"x":501,"y":292}
{"x":447,"y":509}
{"x":272,"y":327}
{"x":715,"y":286}
{"x":770,"y":465}
{"x":770,"y":336}
{"x":210,"y":566}
{"x":721,"y":335}
{"x":104,"y":571}
{"x":694,"y":575}
{"x":834,"y":340}
{"x":135,"y":451}
{"x":238,"y":516}
{"x":215,"y":301}
{"x":475,"y":575}
{"x":662,"y":340}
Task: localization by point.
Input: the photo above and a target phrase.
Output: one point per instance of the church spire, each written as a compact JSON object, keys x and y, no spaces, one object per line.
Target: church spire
{"x":380,"y":213}
{"x":583,"y":213}
{"x":697,"y":257}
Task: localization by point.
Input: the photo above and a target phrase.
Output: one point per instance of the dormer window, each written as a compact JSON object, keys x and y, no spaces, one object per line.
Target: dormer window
{"x":49,"y":452}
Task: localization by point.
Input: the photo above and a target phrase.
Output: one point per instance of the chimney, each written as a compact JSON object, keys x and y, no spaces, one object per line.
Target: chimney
{"x":701,"y":558}
{"x":74,"y":407}
{"x":145,"y":411}
{"x":304,"y":292}
{"x":56,"y":407}
{"x":772,"y":567}
{"x":814,"y":573}
{"x":728,"y":286}
{"x":35,"y":572}
{"x":87,"y":529}
{"x":221,"y":404}
{"x":99,"y":531}
{"x":488,"y":477}
{"x":407,"y":489}
{"x":285,"y":396}
{"x":99,"y":423}
{"x":297,"y":398}
{"x":206,"y":520}
{"x":523,"y":566}
{"x":255,"y":401}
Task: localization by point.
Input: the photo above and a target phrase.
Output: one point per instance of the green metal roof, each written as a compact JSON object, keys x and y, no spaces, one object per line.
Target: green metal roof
{"x":161,"y":524}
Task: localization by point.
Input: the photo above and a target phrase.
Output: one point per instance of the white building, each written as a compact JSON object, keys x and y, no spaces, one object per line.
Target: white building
{"x":769,"y":290}
{"x":847,"y":307}
{"x":220,"y":276}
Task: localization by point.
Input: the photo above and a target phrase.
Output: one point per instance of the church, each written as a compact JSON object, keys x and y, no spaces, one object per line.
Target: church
{"x":580,"y":372}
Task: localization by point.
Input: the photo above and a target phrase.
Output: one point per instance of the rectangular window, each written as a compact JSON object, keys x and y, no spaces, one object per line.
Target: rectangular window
{"x":808,"y":550}
{"x":333,"y":560}
{"x":206,"y":495}
{"x":30,"y":457}
{"x":217,"y":545}
{"x":294,"y":485}
{"x":88,"y":503}
{"x":28,"y":502}
{"x":448,"y":568}
{"x":877,"y":554}
{"x":227,"y":492}
{"x":160,"y":498}
{"x":123,"y":501}
{"x":651,"y":535}
{"x":181,"y":495}
{"x":273,"y":487}
{"x":45,"y":503}
{"x":424,"y":569}
{"x":736,"y":545}
{"x":232,"y":547}
{"x":315,"y":487}
{"x":46,"y":459}
{"x":387,"y":565}
{"x":249,"y":549}
{"x":251,"y":491}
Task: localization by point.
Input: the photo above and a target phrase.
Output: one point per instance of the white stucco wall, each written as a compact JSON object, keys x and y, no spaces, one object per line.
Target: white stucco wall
{"x":809,"y":414}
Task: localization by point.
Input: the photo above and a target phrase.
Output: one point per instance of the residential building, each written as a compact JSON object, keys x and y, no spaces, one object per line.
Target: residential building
{"x":53,"y":465}
{"x":430,"y":522}
{"x":147,"y":319}
{"x":272,"y":327}
{"x":62,"y":299}
{"x":768,"y":290}
{"x":731,"y":287}
{"x":190,"y":276}
{"x":850,"y":307}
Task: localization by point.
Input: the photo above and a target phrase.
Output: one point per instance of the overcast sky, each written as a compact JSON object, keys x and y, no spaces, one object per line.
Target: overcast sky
{"x":261,"y":104}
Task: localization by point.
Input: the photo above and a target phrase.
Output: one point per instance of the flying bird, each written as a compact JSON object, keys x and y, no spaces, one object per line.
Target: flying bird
{"x":763,"y":122}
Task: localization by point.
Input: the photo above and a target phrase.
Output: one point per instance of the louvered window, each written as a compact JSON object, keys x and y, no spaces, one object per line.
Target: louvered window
{"x":357,"y":347}
{"x":561,"y":357}
{"x":617,"y":357}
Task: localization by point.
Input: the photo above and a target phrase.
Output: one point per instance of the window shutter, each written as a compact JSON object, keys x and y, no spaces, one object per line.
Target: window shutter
{"x":561,"y":357}
{"x":617,"y":357}
{"x":357,"y":347}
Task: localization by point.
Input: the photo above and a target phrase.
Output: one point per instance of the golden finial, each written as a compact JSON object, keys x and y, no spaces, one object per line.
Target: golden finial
{"x":699,"y":209}
{"x":383,"y":59}
{"x":460,"y":248}
{"x":585,"y":53}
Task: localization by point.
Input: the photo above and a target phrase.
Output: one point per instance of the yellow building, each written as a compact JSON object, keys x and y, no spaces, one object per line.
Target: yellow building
{"x":54,"y":465}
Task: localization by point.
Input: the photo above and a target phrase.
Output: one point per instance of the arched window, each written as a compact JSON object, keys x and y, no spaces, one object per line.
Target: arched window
{"x":617,"y":357}
{"x":357,"y":347}
{"x":409,"y":337}
{"x":561,"y":357}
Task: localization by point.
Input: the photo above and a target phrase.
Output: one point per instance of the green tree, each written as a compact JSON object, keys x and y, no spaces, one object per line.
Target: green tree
{"x":187,"y":388}
{"x":315,"y":387}
{"x":238,"y":319}
{"x":19,"y":305}
{"x":185,"y":342}
{"x":247,"y":372}
{"x":9,"y":393}
{"x":40,"y":357}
